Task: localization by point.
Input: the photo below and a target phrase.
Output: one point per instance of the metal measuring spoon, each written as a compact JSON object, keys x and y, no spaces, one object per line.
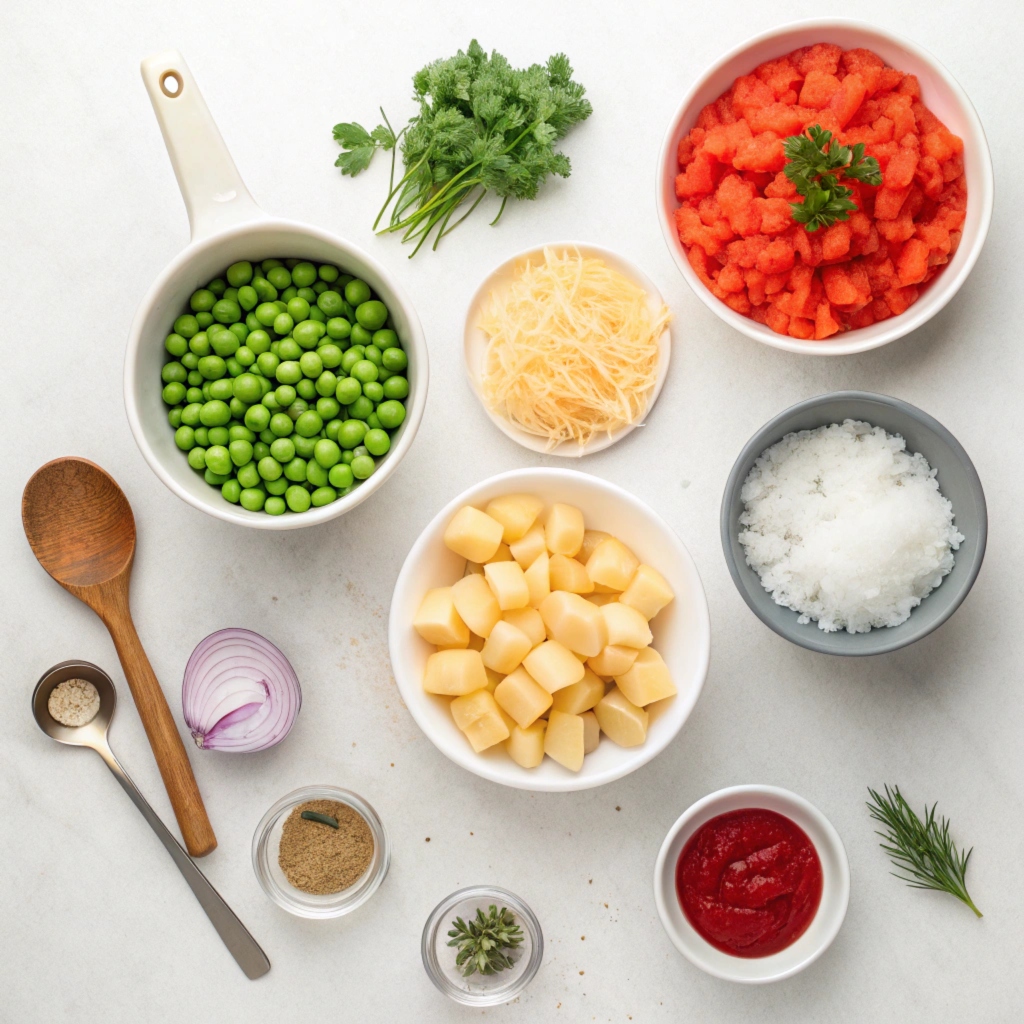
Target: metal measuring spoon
{"x":242,"y":946}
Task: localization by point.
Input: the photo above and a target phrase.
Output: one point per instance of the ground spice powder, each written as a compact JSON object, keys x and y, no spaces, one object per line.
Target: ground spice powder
{"x":320,"y":859}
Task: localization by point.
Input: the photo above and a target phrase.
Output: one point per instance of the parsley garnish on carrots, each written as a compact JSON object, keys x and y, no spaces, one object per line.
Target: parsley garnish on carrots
{"x":815,"y":163}
{"x":483,"y":126}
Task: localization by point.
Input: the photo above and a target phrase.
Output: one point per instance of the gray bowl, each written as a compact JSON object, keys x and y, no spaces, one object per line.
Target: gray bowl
{"x":958,"y":481}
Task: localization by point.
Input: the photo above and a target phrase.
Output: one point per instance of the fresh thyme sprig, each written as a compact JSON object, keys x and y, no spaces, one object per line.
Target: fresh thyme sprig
{"x":815,"y":163}
{"x":483,"y":126}
{"x":922,"y":850}
{"x":481,"y":942}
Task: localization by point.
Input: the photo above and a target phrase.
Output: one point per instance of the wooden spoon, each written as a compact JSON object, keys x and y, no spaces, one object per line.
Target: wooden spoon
{"x":81,"y":529}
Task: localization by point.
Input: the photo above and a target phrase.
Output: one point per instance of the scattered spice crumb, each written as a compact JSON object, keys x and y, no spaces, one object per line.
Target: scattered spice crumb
{"x":581,"y":972}
{"x":618,"y":808}
{"x":583,"y":938}
{"x":427,"y":840}
{"x":392,"y":764}
{"x":590,"y":881}
{"x":273,"y":598}
{"x":470,"y":833}
{"x":606,"y":906}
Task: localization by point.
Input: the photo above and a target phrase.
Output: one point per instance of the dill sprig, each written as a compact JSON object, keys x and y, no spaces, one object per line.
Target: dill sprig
{"x":482,"y":127}
{"x":923,"y":851}
{"x":481,"y":942}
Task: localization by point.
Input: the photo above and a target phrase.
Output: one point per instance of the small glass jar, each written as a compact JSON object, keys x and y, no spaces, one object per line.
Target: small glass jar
{"x":266,"y":845}
{"x":480,"y":989}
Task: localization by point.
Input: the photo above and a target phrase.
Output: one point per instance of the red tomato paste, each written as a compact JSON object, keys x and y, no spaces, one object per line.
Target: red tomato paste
{"x":749,"y":882}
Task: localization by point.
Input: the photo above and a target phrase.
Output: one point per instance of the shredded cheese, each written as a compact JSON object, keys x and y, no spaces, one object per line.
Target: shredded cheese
{"x":572,"y":349}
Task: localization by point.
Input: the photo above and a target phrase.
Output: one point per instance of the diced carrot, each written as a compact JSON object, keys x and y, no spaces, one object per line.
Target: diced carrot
{"x":808,"y":245}
{"x":889,"y":79}
{"x":777,"y":257}
{"x":759,"y":313}
{"x":860,"y":224}
{"x":801,"y":327}
{"x":839,"y":288}
{"x":780,"y":188}
{"x":698,"y":259}
{"x":800,"y":280}
{"x":776,"y":215}
{"x":762,"y":153}
{"x":779,"y":75}
{"x":777,"y":320}
{"x":739,"y":302}
{"x":746,"y":251}
{"x":900,"y":171}
{"x":867,"y":64}
{"x":913,"y":262}
{"x":850,"y":96}
{"x":883,"y":152}
{"x":693,"y":231}
{"x":775,"y":283}
{"x":934,"y":236}
{"x":929,"y":173}
{"x":731,"y":278}
{"x":881,"y":276}
{"x":863,"y":317}
{"x":942,"y":145}
{"x":835,"y":242}
{"x":708,"y":117}
{"x":723,"y":140}
{"x":755,"y":281}
{"x":750,"y":93}
{"x":698,"y":178}
{"x":889,"y":202}
{"x":880,"y":310}
{"x":819,"y":87}
{"x":781,"y":118}
{"x":736,"y":197}
{"x":927,"y":122}
{"x":901,"y":299}
{"x":819,"y":57}
{"x":953,"y":168}
{"x":898,"y":230}
{"x":898,"y":109}
{"x":910,"y":87}
{"x":825,"y":324}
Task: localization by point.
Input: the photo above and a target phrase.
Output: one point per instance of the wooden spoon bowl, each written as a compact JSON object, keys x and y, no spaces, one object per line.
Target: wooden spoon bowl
{"x":81,"y":529}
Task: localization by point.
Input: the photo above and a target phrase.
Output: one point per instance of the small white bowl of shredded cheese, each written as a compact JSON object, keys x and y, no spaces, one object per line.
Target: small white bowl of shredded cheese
{"x":567,"y":347}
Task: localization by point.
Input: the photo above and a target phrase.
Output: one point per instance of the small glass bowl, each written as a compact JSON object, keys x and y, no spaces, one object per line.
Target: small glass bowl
{"x":480,"y":989}
{"x":266,"y":844}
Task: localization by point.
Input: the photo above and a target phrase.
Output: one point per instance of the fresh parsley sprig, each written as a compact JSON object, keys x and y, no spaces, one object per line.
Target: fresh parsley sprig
{"x":482,"y":127}
{"x":815,"y":163}
{"x":483,"y":940}
{"x":922,"y":850}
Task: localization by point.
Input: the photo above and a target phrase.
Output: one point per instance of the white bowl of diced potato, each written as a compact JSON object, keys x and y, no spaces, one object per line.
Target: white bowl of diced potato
{"x":549,"y":631}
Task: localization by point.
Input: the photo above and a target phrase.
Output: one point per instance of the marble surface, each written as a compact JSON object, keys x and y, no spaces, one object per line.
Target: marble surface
{"x":95,"y":923}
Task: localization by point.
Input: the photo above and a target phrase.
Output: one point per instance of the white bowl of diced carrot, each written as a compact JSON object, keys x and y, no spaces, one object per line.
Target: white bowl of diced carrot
{"x":911,"y":243}
{"x":549,"y":631}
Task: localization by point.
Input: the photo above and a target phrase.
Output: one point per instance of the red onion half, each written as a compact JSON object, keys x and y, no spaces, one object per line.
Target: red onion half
{"x":240,"y":692}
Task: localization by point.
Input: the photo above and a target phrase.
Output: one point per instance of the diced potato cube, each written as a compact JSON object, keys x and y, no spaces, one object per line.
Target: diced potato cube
{"x":567,"y":574}
{"x":508,"y":582}
{"x":476,"y":604}
{"x":538,"y":579}
{"x":526,"y":550}
{"x":453,"y":673}
{"x":526,"y":746}
{"x":521,"y":696}
{"x":505,"y":647}
{"x":575,"y":622}
{"x":591,"y":732}
{"x":473,"y":534}
{"x":503,"y":554}
{"x":614,"y":660}
{"x":477,"y":715}
{"x":579,"y":697}
{"x":648,"y":592}
{"x":620,"y":720}
{"x":647,"y":680}
{"x":563,"y":740}
{"x":529,"y":621}
{"x":438,"y":621}
{"x":563,"y":532}
{"x":591,"y":538}
{"x":493,"y":678}
{"x":625,"y":625}
{"x":516,"y":513}
{"x":602,"y":599}
{"x":553,"y":666}
{"x":612,"y":564}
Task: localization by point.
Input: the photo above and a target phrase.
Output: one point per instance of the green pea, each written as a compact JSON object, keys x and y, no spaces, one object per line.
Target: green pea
{"x":289,"y":350}
{"x":237,"y":432}
{"x":278,"y":486}
{"x":331,"y":428}
{"x":386,"y":339}
{"x":260,"y":450}
{"x":257,"y":417}
{"x":267,"y":313}
{"x":248,"y":299}
{"x":338,"y":328}
{"x":327,"y":406}
{"x":231,"y":490}
{"x":347,"y":457}
{"x":214,"y":413}
{"x":351,"y":433}
{"x":218,"y":460}
{"x":359,"y":450}
{"x":308,"y":424}
{"x":340,"y":476}
{"x":326,"y":452}
{"x":372,"y":422}
{"x":281,"y":424}
{"x":288,"y":294}
{"x":306,"y":389}
{"x":202,"y":437}
{"x":173,"y":372}
{"x":323,"y":496}
{"x":221,"y":389}
{"x":275,"y":507}
{"x":373,"y":355}
{"x":194,"y":394}
{"x":285,"y":395}
{"x":360,"y":408}
{"x":217,"y":286}
{"x":224,"y":344}
{"x":330,"y":355}
{"x":197,"y":458}
{"x":200,"y":344}
{"x":173,"y":393}
{"x":279,"y":277}
{"x":303,"y":274}
{"x":360,"y":335}
{"x":269,"y":468}
{"x":216,"y":479}
{"x":226,"y":311}
{"x":218,"y":435}
{"x":316,"y":475}
{"x":305,"y":446}
{"x":234,"y":367}
{"x":298,"y":499}
{"x":377,"y":442}
{"x":390,"y":413}
{"x":252,"y":499}
{"x":283,"y":450}
{"x":202,"y":300}
{"x":394,"y":359}
{"x":269,"y":401}
{"x":373,"y":391}
{"x":298,"y":309}
{"x":249,"y":475}
{"x":372,"y":314}
{"x":239,"y":273}
{"x":237,"y":408}
{"x":307,"y":333}
{"x":396,"y":387}
{"x":240,"y":452}
{"x":174,"y":417}
{"x":348,"y":390}
{"x":328,"y":273}
{"x":364,"y":371}
{"x":296,"y":470}
{"x":252,"y":323}
{"x":268,"y":363}
{"x":212,"y":367}
{"x":190,"y":361}
{"x":362,"y":467}
{"x":258,"y":341}
{"x":264,"y":289}
{"x":186,"y":325}
{"x":190,"y":414}
{"x":357,"y":292}
{"x":176,"y":345}
{"x":297,"y":407}
{"x":350,"y":358}
{"x":310,"y":364}
{"x":317,"y":314}
{"x":330,"y":303}
{"x":245,"y":357}
{"x":230,"y":294}
{"x":283,"y":323}
{"x":289,"y":372}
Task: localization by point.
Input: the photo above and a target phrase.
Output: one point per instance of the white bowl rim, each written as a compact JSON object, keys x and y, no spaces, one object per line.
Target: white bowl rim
{"x":222,"y":509}
{"x":633,"y":757}
{"x":754,"y":791}
{"x":629,"y":268}
{"x":982,"y":192}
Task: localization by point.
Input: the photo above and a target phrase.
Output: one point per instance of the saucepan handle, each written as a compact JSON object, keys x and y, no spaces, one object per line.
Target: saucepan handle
{"x":214,"y":193}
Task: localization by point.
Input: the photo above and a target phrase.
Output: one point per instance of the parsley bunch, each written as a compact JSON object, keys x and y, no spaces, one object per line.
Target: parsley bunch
{"x":483,"y":126}
{"x":815,"y":163}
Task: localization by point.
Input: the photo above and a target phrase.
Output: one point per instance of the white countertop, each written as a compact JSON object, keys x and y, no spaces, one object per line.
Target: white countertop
{"x":95,"y":922}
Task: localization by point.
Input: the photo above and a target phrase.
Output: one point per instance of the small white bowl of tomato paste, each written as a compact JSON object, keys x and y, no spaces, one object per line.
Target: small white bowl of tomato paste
{"x":899,"y":233}
{"x":752,"y":884}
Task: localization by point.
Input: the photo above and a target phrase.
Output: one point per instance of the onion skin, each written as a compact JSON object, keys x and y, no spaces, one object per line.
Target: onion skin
{"x":240,"y":693}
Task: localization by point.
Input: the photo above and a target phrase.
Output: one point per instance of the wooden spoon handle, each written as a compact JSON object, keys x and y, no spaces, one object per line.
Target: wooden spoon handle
{"x":163,"y":735}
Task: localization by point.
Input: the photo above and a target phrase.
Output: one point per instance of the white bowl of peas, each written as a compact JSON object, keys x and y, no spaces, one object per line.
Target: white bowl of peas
{"x":498,"y":705}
